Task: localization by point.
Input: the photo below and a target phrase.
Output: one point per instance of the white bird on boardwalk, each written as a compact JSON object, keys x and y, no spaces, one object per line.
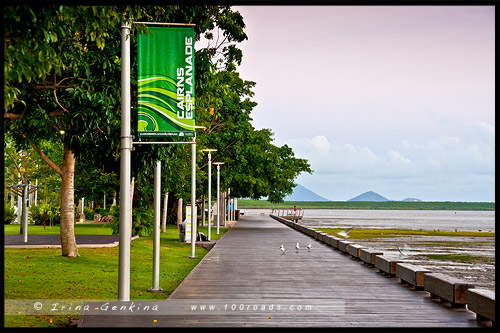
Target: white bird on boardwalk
{"x":282,"y":248}
{"x":309,"y":246}
{"x":297,"y":246}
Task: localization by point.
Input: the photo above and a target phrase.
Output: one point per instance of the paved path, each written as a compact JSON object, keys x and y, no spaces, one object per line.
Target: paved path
{"x":250,"y":282}
{"x":54,"y":241}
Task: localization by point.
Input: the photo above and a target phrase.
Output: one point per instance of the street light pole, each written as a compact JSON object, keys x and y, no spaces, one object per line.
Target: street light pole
{"x":156,"y":233}
{"x":193,"y":199}
{"x":218,"y":193}
{"x":125,"y":172}
{"x":25,"y":214}
{"x":209,"y":188}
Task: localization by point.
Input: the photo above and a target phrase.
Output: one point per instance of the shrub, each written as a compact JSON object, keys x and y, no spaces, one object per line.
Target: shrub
{"x":142,"y":221}
{"x":44,"y":214}
{"x":8,"y":214}
{"x":89,"y":213}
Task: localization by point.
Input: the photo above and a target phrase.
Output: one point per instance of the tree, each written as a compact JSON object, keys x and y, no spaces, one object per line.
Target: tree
{"x":60,"y":87}
{"x":62,"y":81}
{"x":254,"y":167}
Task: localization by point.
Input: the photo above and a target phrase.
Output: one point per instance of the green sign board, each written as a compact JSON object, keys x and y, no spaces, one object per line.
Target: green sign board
{"x":166,"y":82}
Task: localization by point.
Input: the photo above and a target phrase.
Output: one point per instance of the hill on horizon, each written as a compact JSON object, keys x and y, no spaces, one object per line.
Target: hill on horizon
{"x":369,"y":196}
{"x":373,"y":196}
{"x":301,"y":193}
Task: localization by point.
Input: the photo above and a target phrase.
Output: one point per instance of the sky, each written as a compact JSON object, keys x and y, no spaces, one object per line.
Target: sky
{"x":399,"y":100}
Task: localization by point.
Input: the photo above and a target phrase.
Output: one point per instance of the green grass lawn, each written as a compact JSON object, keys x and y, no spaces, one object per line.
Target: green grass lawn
{"x":45,"y":274}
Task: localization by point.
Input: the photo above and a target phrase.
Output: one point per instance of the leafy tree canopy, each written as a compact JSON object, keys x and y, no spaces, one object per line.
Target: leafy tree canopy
{"x":62,"y":85}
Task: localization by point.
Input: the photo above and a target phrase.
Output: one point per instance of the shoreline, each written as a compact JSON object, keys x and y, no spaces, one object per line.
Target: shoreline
{"x":370,"y":205}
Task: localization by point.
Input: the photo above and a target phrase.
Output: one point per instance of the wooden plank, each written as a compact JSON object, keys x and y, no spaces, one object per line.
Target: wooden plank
{"x":368,"y":255}
{"x":411,"y":274}
{"x":344,"y":245}
{"x":447,"y":287}
{"x":246,"y":264}
{"x":354,"y":250}
{"x":482,"y":302}
{"x":311,"y":232}
{"x":335,"y":242}
{"x":330,"y":240}
{"x":325,"y":238}
{"x":386,"y":264}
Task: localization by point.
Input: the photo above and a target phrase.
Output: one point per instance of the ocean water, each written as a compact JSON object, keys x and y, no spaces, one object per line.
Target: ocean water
{"x":444,"y":220}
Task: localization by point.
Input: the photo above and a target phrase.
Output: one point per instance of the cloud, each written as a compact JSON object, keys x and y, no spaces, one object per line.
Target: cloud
{"x":396,"y":157}
{"x":320,"y":144}
{"x":455,"y":166}
{"x":471,"y":151}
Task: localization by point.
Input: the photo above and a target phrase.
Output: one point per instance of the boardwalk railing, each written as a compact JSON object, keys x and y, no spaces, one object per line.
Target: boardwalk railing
{"x":446,"y":288}
{"x":289,"y":214}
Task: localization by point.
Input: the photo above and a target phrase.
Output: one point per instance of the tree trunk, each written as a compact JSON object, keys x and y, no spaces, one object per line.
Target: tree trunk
{"x":164,"y":219}
{"x":132,"y":207}
{"x":67,"y":232}
{"x":179,"y":213}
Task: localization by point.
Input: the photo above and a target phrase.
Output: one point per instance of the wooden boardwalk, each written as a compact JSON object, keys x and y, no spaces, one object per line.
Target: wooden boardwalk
{"x":250,"y":282}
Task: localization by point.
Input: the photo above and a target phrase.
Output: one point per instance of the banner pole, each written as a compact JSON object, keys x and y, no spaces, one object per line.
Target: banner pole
{"x":25,"y":214}
{"x":218,"y":197}
{"x":193,"y":198}
{"x":156,"y":234}
{"x":125,"y":172}
{"x":209,"y":195}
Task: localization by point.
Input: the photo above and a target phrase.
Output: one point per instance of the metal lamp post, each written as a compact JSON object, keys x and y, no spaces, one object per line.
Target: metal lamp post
{"x":209,"y":188}
{"x":218,"y":193}
{"x":125,"y":170}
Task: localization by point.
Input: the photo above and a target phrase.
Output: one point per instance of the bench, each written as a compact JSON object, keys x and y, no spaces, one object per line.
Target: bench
{"x":311,"y":232}
{"x":367,"y":255}
{"x":332,"y":241}
{"x":386,"y":264}
{"x":354,"y":250}
{"x":411,"y":274}
{"x":344,"y":245}
{"x":326,"y":238}
{"x":447,"y":288}
{"x":335,"y":242}
{"x":482,"y":302}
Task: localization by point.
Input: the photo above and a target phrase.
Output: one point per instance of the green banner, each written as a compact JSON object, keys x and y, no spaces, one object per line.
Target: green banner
{"x":166,"y":82}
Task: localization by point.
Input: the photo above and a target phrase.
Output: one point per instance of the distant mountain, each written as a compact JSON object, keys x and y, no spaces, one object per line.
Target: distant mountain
{"x":369,"y":196}
{"x":300,"y":193}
